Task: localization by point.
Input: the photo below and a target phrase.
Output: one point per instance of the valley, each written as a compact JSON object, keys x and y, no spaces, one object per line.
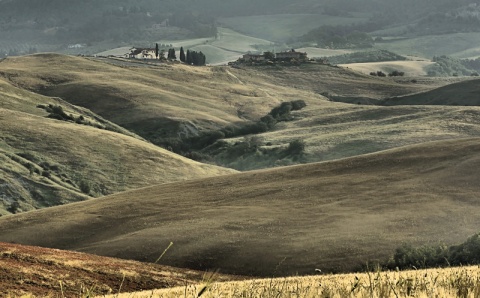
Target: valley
{"x":245,"y":178}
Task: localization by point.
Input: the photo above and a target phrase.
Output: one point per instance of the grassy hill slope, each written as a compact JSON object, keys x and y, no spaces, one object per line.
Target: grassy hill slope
{"x":334,"y":215}
{"x":460,"y":45}
{"x":283,"y":27}
{"x":410,"y":68}
{"x":169,"y":103}
{"x":138,"y":97}
{"x":49,"y":162}
{"x":457,"y":94}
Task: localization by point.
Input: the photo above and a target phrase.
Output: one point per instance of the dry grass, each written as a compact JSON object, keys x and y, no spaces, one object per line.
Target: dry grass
{"x":410,"y":68}
{"x":28,"y":271}
{"x":334,"y":215}
{"x":451,"y":282}
{"x":109,"y":162}
{"x":175,"y":99}
{"x":456,"y":94}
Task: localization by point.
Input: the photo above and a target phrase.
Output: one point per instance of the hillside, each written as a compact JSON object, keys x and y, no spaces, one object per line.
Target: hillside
{"x":457,"y":94}
{"x":39,"y":271}
{"x":175,"y":106}
{"x":47,"y":162}
{"x":334,"y":216}
{"x":164,"y":101}
{"x":410,"y":68}
{"x":460,"y":45}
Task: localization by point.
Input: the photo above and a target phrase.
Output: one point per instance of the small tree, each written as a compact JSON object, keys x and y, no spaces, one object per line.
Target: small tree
{"x":269,"y":56}
{"x":156,"y":50}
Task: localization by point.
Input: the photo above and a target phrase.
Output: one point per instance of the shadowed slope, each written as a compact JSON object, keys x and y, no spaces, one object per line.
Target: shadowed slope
{"x":457,"y":94}
{"x":335,"y":215}
{"x":165,"y":99}
{"x":46,"y":162}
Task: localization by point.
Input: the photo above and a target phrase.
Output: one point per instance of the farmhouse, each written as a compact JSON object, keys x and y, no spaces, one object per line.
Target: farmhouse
{"x":141,"y":53}
{"x":254,"y":57}
{"x":289,"y":55}
{"x":161,"y":25}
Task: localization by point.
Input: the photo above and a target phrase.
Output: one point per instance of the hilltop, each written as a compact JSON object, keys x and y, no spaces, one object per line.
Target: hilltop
{"x":334,"y":215}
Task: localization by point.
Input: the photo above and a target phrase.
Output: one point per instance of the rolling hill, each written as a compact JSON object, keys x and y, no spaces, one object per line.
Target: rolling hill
{"x":334,"y":215}
{"x":410,"y":68}
{"x":47,"y":162}
{"x":155,"y":101}
{"x":456,"y":94}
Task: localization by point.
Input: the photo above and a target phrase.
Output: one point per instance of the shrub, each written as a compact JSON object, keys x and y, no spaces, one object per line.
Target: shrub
{"x":381,"y":74}
{"x":56,"y":112}
{"x":296,"y":147}
{"x":467,"y":253}
{"x":281,"y":111}
{"x":14,"y":207}
{"x":85,"y":187}
{"x":269,"y":121}
{"x":396,"y":73}
{"x":298,"y":105}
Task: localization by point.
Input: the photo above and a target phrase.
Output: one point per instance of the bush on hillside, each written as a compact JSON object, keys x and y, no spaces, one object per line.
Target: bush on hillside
{"x":381,"y":74}
{"x":407,"y":256}
{"x":396,"y":73}
{"x":56,"y":112}
{"x":296,"y":147}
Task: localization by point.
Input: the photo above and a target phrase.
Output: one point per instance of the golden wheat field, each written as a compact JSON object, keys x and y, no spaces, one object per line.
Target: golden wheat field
{"x":451,"y":282}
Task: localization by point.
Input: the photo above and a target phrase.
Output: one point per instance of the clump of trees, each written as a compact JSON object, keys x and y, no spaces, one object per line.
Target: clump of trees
{"x":195,"y":58}
{"x":466,"y":253}
{"x":365,"y":56}
{"x":396,"y":73}
{"x":449,"y":66}
{"x":378,"y":74}
{"x":202,"y":145}
{"x":171,"y":54}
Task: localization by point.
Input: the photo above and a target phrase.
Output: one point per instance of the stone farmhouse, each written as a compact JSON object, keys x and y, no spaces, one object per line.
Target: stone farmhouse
{"x":289,"y":55}
{"x":281,"y":56}
{"x":141,"y":53}
{"x":254,"y":57}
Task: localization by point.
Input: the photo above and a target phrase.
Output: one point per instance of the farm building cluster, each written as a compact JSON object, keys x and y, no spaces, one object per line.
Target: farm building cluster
{"x":287,"y":56}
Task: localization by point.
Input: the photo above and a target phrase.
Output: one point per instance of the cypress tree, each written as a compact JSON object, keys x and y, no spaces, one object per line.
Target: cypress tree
{"x":156,"y":50}
{"x":201,"y":59}
{"x":182,"y":55}
{"x":171,"y":54}
{"x":189,"y":58}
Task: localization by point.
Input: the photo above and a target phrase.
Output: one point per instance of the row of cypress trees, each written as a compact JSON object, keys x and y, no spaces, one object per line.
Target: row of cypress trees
{"x":190,"y":58}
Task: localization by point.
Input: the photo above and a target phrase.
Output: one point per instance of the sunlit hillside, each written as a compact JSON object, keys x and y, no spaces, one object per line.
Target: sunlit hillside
{"x":334,"y":216}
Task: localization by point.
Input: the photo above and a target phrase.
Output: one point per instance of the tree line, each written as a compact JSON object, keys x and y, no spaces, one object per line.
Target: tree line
{"x":190,"y":57}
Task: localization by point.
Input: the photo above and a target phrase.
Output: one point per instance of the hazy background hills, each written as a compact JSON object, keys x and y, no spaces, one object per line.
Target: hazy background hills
{"x":29,"y":26}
